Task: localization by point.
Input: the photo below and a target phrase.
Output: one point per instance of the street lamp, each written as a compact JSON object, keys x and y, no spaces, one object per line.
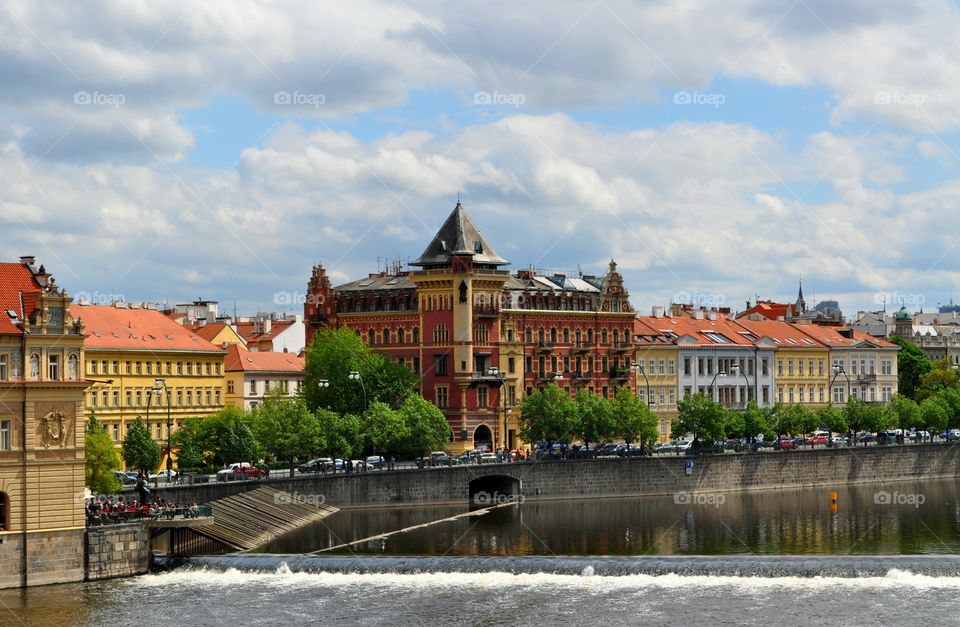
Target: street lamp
{"x":355,"y":376}
{"x":639,"y":368}
{"x":736,"y":368}
{"x":495,"y":372}
{"x":719,"y":372}
{"x":158,"y":385}
{"x":837,"y":371}
{"x":323,"y":383}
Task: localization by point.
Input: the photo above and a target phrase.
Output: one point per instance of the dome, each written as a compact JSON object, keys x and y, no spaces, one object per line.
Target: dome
{"x":903,"y":313}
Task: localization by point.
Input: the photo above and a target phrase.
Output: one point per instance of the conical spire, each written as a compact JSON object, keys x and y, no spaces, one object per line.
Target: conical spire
{"x":801,"y":304}
{"x":458,"y":236}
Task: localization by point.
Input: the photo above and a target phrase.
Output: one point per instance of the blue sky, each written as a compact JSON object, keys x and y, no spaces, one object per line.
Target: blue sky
{"x":723,"y":151}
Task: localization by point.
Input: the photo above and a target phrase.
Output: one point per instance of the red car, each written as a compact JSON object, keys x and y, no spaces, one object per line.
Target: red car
{"x":785,"y":443}
{"x":818,"y":439}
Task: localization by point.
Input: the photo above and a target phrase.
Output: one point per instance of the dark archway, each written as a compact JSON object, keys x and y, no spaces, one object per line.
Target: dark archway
{"x":495,"y":490}
{"x":483,"y":438}
{"x":4,"y":512}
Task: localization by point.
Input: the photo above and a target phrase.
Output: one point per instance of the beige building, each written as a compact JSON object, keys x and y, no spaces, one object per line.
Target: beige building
{"x":41,"y":430}
{"x":251,"y":374}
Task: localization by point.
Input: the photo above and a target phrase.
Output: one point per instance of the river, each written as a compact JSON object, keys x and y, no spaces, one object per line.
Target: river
{"x":887,"y":555}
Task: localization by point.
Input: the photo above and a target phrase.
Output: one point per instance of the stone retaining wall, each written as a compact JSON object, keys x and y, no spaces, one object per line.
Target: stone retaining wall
{"x":117,"y":551}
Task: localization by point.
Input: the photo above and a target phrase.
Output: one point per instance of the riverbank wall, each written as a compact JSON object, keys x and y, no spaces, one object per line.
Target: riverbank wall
{"x":116,"y":551}
{"x":600,"y":478}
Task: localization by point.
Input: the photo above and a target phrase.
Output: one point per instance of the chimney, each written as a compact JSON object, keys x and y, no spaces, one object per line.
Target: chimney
{"x":27,"y":260}
{"x":698,"y":314}
{"x":656,"y":311}
{"x":267,"y":324}
{"x":711,"y":315}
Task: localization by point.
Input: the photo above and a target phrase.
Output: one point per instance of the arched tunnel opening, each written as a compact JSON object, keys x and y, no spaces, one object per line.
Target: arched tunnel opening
{"x":493,"y":490}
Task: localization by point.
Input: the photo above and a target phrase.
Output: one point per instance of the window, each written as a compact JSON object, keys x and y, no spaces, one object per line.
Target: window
{"x":180,"y":367}
{"x":790,"y":367}
{"x":779,"y":367}
{"x":128,"y":367}
{"x":822,"y":394}
{"x":671,"y":368}
{"x":116,"y":398}
{"x":190,"y":368}
{"x":660,"y":370}
{"x":511,"y":365}
{"x":253,"y":388}
{"x":529,"y":363}
{"x":386,"y":336}
{"x":887,"y":394}
{"x":116,"y":432}
{"x":528,"y":335}
{"x":802,"y":395}
{"x":116,"y":367}
{"x":190,"y":397}
{"x":661,"y":396}
{"x":790,"y":394}
{"x":209,"y":394}
{"x":230,"y":387}
{"x":440,"y":364}
{"x":820,"y":367}
{"x":764,"y":367}
{"x":179,"y":397}
{"x":4,"y":435}
{"x":209,"y":368}
{"x":442,"y":397}
{"x":766,"y":394}
{"x":686,"y":366}
{"x":837,"y":395}
{"x":673,"y":396}
{"x":401,"y":335}
{"x":780,"y":394}
{"x":440,"y":334}
{"x":169,"y":371}
{"x":416,"y":365}
{"x":482,"y":396}
{"x":139,"y":398}
{"x":93,"y":366}
{"x":53,"y":367}
{"x":566,"y":335}
{"x":216,"y":393}
{"x":800,"y":367}
{"x":4,"y":367}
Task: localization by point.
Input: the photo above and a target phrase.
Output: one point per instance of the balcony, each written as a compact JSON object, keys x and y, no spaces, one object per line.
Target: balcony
{"x":620,"y":373}
{"x":621,"y":347}
{"x":485,"y":311}
{"x":865,"y":378}
{"x":543,"y":347}
{"x":546,"y":377}
{"x":577,"y":375}
{"x":580,"y":347}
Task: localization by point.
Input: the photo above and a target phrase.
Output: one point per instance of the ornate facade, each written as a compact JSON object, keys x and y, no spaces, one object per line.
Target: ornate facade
{"x":479,"y":337}
{"x":41,"y":430}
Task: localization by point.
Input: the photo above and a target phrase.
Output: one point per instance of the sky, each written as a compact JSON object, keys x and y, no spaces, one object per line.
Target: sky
{"x":717,"y":150}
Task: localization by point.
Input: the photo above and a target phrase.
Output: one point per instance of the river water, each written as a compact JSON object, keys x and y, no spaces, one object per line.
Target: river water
{"x":889,"y":554}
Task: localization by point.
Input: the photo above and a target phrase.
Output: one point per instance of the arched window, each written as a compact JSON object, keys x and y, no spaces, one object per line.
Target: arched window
{"x":4,"y":512}
{"x":401,"y":336}
{"x":577,"y":336}
{"x":371,"y":337}
{"x":528,"y":335}
{"x":566,"y":335}
{"x":589,"y":336}
{"x":386,"y":336}
{"x":603,"y":336}
{"x":416,"y":335}
{"x":553,"y":335}
{"x":540,"y":335}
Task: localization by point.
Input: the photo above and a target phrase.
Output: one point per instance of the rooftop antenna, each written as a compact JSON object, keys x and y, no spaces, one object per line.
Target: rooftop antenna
{"x":458,"y":198}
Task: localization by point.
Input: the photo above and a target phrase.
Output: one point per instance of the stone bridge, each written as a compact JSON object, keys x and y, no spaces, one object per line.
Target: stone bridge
{"x":488,"y":484}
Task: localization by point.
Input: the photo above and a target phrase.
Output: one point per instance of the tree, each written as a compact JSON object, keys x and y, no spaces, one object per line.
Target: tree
{"x":101,"y":459}
{"x":833,"y":419}
{"x":801,"y":419}
{"x":343,"y":435}
{"x":331,"y":357}
{"x":225,"y":437}
{"x":905,"y":410}
{"x":189,"y":452}
{"x":702,"y":417}
{"x":781,"y":421}
{"x":384,"y":428}
{"x":594,"y":418}
{"x":426,"y":425}
{"x":912,"y":364}
{"x":934,"y":414}
{"x":938,"y":379}
{"x":861,"y":416}
{"x":548,"y":415}
{"x":755,"y":421}
{"x":139,"y":449}
{"x":633,"y":419}
{"x":952,"y":397}
{"x":285,"y":429}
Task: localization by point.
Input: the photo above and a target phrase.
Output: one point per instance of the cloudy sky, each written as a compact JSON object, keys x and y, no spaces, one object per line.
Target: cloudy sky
{"x":717,"y":150}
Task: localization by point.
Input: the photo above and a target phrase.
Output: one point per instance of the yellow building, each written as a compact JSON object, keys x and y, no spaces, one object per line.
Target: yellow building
{"x":657,"y":365}
{"x":220,"y":334}
{"x":41,"y":430}
{"x":801,"y":369}
{"x":128,"y":349}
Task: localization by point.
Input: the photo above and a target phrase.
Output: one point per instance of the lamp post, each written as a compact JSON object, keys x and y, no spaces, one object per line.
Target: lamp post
{"x":158,"y":385}
{"x":736,"y":368}
{"x":837,"y":371}
{"x":355,"y":376}
{"x":639,"y":368}
{"x":719,"y":372}
{"x":323,"y":383}
{"x":495,"y":372}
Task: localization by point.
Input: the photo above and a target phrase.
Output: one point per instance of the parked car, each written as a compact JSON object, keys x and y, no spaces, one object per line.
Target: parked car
{"x":683,"y":447}
{"x":950,"y":435}
{"x":664,"y":447}
{"x":124,"y":478}
{"x":785,"y":444}
{"x":238,"y":470}
{"x":376,"y":461}
{"x":866,"y":437}
{"x":320,"y":464}
{"x":814,"y":440}
{"x":488,"y":458}
{"x":163,"y":475}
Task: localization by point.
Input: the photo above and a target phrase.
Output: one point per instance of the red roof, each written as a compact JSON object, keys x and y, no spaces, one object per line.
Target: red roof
{"x":209,"y":331}
{"x":251,"y":331}
{"x":239,"y":360}
{"x":706,"y":332}
{"x":123,"y":328}
{"x":16,"y":279}
{"x":768,"y":309}
{"x":785,"y":334}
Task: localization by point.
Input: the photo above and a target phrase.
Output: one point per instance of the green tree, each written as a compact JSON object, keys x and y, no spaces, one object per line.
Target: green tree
{"x":548,"y":415}
{"x":833,"y":419}
{"x":185,"y":439}
{"x":905,"y":410}
{"x":755,"y":421}
{"x":702,"y":417}
{"x":139,"y":449}
{"x":594,"y":418}
{"x":938,"y":379}
{"x":782,"y":421}
{"x":426,"y":425}
{"x":952,"y":397}
{"x":101,"y":459}
{"x":633,"y":419}
{"x":869,"y":417}
{"x":285,"y":429}
{"x":343,"y":434}
{"x":934,"y":414}
{"x":802,"y":419}
{"x":912,"y":364}
{"x":384,"y":428}
{"x":225,"y":438}
{"x":331,"y":357}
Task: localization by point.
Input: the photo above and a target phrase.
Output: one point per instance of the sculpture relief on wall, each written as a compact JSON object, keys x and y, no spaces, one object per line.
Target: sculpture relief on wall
{"x":52,"y":430}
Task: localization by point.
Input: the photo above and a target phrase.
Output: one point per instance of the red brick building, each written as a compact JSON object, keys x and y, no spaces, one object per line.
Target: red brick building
{"x":479,"y":337}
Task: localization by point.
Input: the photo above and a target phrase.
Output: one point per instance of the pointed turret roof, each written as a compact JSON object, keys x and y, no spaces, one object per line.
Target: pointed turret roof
{"x":459,"y":236}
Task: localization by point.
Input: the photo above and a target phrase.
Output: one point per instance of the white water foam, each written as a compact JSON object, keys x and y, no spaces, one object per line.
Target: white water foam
{"x":284,"y":577}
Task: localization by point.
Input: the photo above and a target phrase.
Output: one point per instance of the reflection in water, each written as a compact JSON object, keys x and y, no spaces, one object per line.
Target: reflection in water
{"x":889,"y":519}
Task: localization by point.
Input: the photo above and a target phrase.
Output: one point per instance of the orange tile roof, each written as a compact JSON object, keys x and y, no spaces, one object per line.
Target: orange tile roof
{"x":209,"y":331}
{"x":767,"y":309}
{"x":785,"y":334}
{"x":122,"y":328}
{"x":16,"y":279}
{"x":239,"y":360}
{"x":698,"y":330}
{"x":248,"y":330}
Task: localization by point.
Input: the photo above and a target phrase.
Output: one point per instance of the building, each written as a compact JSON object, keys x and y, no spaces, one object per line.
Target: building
{"x":250,"y":374}
{"x":128,"y":349}
{"x":657,"y":380}
{"x":826,"y":312}
{"x":479,"y":337}
{"x":802,"y":363}
{"x":861,"y":365}
{"x":269,"y":332}
{"x":41,"y":430}
{"x":220,"y":334}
